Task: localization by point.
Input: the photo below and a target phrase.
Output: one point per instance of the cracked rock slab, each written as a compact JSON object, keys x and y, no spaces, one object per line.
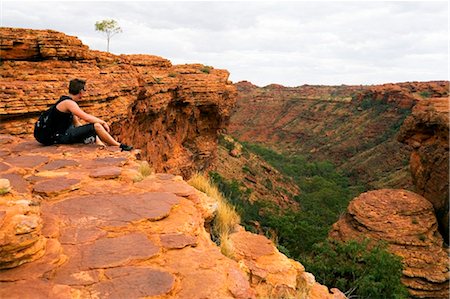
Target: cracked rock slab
{"x":106,"y":173}
{"x":55,"y":186}
{"x":177,"y":241}
{"x":58,"y":164}
{"x":133,"y":282}
{"x":112,"y":252}
{"x":26,"y":161}
{"x":116,"y":209}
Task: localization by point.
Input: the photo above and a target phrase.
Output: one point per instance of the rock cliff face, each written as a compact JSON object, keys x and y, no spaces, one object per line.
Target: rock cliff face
{"x":354,"y":127}
{"x":171,"y":112}
{"x":426,"y":131}
{"x":406,"y":221}
{"x":83,"y":222}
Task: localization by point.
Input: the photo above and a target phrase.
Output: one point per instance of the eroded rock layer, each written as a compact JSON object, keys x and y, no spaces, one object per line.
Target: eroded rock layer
{"x":426,"y":131}
{"x":406,"y":221}
{"x":355,"y":127}
{"x":171,"y":112}
{"x":108,"y":231}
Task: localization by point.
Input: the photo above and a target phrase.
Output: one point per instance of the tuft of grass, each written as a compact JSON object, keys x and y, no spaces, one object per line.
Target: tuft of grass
{"x":226,"y":246}
{"x":4,"y":191}
{"x":226,"y":220}
{"x":172,"y":75}
{"x":144,"y":171}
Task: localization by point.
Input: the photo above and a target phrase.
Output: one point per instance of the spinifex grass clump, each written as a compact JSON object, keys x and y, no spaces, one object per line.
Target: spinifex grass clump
{"x":144,"y":171}
{"x":226,"y":219}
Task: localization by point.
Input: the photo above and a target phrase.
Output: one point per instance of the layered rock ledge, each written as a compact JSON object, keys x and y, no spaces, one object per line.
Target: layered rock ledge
{"x":171,"y":112}
{"x":406,"y":221}
{"x":426,"y":130}
{"x":83,"y":222}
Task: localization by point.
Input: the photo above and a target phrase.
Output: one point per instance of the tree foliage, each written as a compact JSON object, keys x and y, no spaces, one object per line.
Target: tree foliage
{"x":109,"y":27}
{"x":357,"y":269}
{"x":361,"y":271}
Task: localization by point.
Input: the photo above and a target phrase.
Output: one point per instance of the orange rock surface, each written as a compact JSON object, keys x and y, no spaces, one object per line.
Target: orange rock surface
{"x":117,"y":234}
{"x":171,"y":112}
{"x":406,"y":221}
{"x":426,"y":130}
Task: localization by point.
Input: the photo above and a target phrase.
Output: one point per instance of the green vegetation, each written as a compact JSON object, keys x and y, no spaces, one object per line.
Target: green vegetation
{"x":358,"y":270}
{"x":110,"y":28}
{"x":302,"y":235}
{"x":377,"y":105}
{"x":206,"y":69}
{"x":425,"y":94}
{"x":226,"y":143}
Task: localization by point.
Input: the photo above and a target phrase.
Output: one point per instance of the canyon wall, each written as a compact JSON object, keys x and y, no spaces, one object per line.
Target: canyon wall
{"x":173,"y":113}
{"x":426,"y":131}
{"x":354,"y":127}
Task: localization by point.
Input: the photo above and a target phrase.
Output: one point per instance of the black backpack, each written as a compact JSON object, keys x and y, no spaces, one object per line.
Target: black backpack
{"x":44,"y":129}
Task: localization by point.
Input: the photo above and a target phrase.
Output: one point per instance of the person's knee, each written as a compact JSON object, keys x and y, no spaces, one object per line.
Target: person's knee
{"x":98,"y":127}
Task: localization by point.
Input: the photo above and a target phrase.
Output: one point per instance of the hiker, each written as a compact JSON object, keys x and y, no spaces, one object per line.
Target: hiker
{"x":61,"y":123}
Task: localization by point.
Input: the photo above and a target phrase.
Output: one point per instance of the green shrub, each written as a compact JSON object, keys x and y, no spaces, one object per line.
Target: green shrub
{"x":425,"y":94}
{"x":357,"y":270}
{"x":206,"y":69}
{"x":225,"y":143}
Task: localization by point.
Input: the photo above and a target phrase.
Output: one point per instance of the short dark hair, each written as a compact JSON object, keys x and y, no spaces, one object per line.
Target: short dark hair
{"x":76,"y":85}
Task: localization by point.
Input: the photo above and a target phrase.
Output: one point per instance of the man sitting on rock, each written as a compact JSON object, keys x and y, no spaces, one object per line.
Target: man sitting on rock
{"x":65,"y":127}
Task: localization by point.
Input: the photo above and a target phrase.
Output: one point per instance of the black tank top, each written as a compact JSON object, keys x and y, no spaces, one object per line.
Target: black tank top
{"x":62,"y":120}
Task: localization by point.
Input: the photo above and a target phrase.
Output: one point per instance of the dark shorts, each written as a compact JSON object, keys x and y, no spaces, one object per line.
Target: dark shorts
{"x":83,"y":134}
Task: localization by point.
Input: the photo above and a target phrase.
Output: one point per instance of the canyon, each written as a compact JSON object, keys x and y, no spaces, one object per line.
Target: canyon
{"x":62,"y":207}
{"x":392,"y":138}
{"x":81,"y":221}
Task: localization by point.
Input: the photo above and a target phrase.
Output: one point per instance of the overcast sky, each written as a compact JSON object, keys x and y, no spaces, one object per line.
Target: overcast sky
{"x":289,"y":43}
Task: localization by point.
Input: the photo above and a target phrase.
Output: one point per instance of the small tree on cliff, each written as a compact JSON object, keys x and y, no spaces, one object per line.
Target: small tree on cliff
{"x":109,"y":27}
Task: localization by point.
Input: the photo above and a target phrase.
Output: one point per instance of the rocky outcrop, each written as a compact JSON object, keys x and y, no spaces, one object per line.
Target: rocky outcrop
{"x":406,"y":221}
{"x":404,"y":95}
{"x":109,"y":231}
{"x":426,"y":131}
{"x":173,"y":113}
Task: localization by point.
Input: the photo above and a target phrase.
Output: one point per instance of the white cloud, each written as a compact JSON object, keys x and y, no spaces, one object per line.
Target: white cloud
{"x":289,"y":43}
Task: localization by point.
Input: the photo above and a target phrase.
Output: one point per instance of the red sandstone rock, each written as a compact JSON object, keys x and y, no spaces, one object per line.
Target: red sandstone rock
{"x":133,"y":282}
{"x":426,"y":131}
{"x":183,"y":106}
{"x":177,"y":241}
{"x":59,"y":163}
{"x":106,"y":173}
{"x":18,"y":183}
{"x":83,"y":234}
{"x":21,"y":240}
{"x":26,"y":161}
{"x":112,"y":252}
{"x":55,"y":186}
{"x":406,"y":221}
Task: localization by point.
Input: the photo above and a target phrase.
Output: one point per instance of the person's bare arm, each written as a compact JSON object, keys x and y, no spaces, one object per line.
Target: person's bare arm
{"x":72,"y":106}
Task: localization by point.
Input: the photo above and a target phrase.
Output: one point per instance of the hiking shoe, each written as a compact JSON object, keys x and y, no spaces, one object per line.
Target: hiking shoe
{"x":125,"y":147}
